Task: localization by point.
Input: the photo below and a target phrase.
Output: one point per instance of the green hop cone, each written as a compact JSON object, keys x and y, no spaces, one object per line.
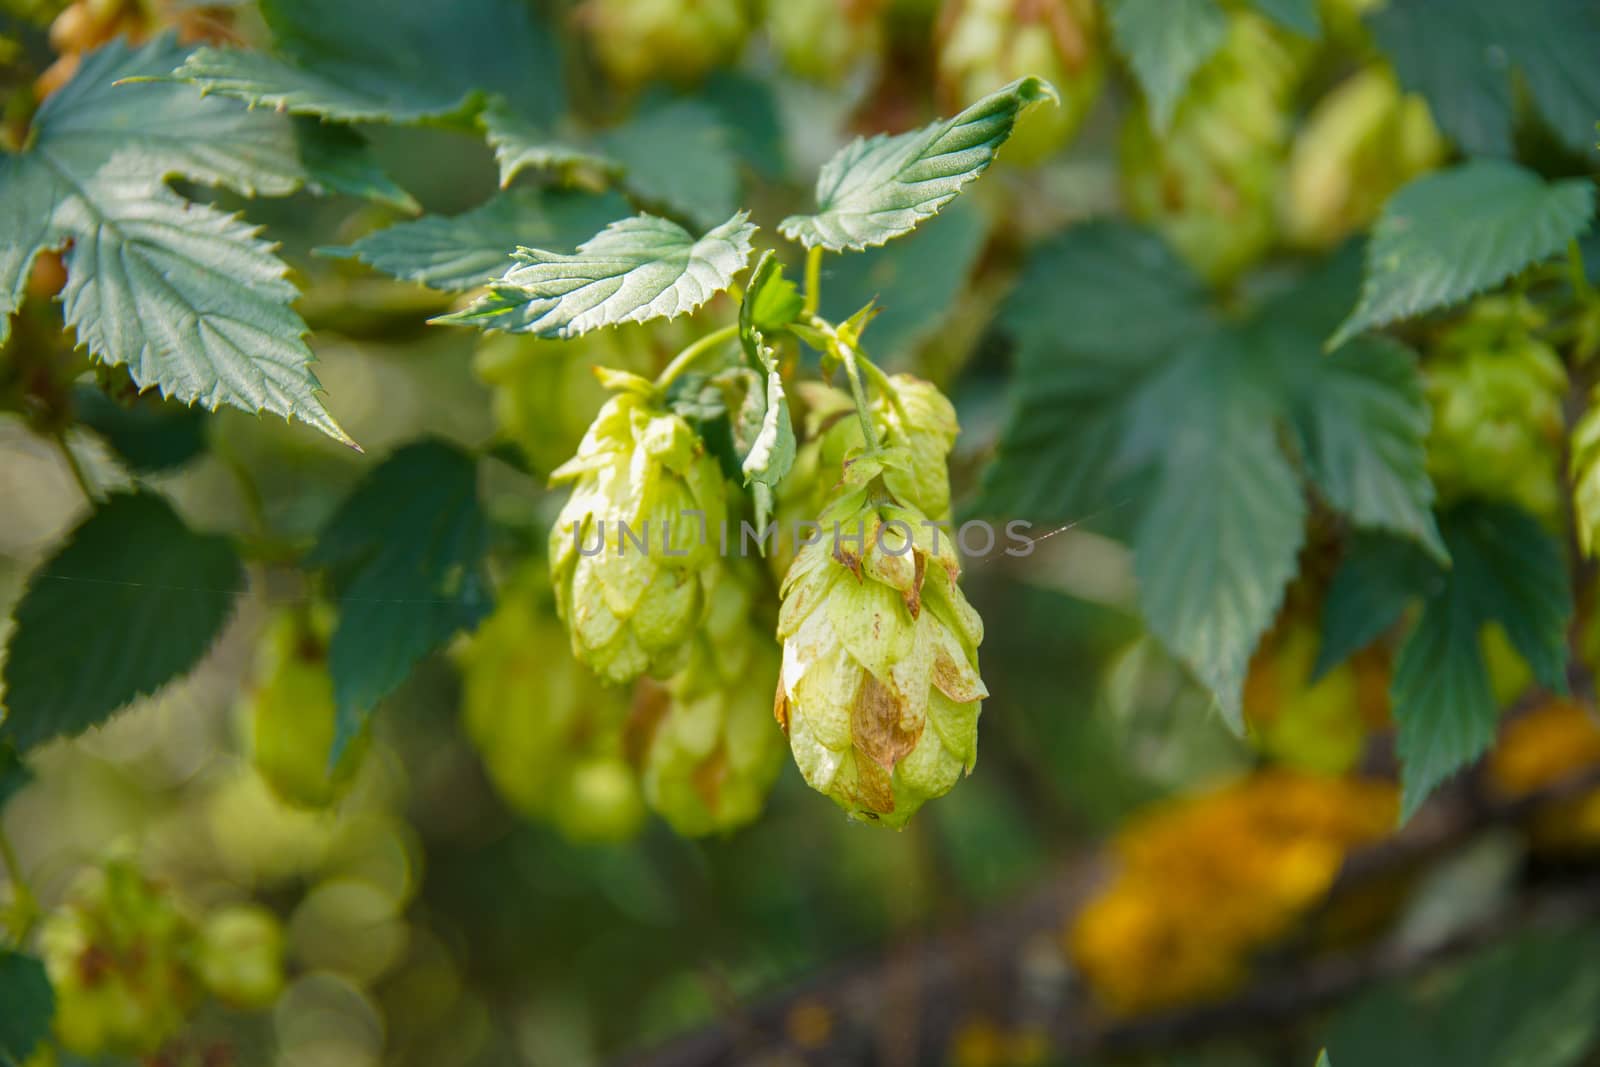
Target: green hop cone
{"x":880,"y":689}
{"x":291,"y":714}
{"x":240,"y":956}
{"x":1497,"y":390}
{"x":636,"y":543}
{"x":639,"y":41}
{"x":545,"y":392}
{"x":118,"y":954}
{"x":985,"y":44}
{"x":824,"y":40}
{"x":548,"y":730}
{"x":1364,"y":140}
{"x":1210,"y":183}
{"x":912,"y":415}
{"x":704,"y":741}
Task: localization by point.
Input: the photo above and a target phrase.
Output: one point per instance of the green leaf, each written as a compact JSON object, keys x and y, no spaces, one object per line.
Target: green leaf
{"x":1165,"y":42}
{"x":27,"y":201}
{"x":635,"y":270}
{"x":1220,"y":539}
{"x":1096,"y":310}
{"x":157,"y":594}
{"x":880,"y":188}
{"x":1322,"y":1059}
{"x":764,"y":433}
{"x":339,"y":160}
{"x":1450,"y":235}
{"x":149,"y":434}
{"x":30,"y":1004}
{"x":1297,"y":16}
{"x":1505,"y":569}
{"x":1532,"y":1002}
{"x":465,"y":251}
{"x":521,"y":143}
{"x":1585,"y":463}
{"x":389,"y":60}
{"x":1546,"y":47}
{"x":917,"y":281}
{"x":676,"y":155}
{"x":188,"y":298}
{"x":1377,"y":578}
{"x":405,"y":552}
{"x":14,"y":773}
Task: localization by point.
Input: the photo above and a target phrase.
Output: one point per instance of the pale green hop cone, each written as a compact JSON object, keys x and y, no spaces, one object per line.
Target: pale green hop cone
{"x":880,"y":690}
{"x":642,"y":476}
{"x":705,"y":744}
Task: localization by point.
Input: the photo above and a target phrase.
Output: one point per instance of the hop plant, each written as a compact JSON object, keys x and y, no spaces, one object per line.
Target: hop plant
{"x":1319,"y":725}
{"x":1496,"y":390}
{"x":639,"y":41}
{"x":1553,"y":742}
{"x":119,"y":954}
{"x":705,"y":744}
{"x":1363,"y":141}
{"x":1210,"y":183}
{"x":239,"y":956}
{"x":85,"y":25}
{"x":291,"y":714}
{"x":826,"y":39}
{"x":643,"y":469}
{"x":880,"y":691}
{"x":549,"y":733}
{"x":984,"y":44}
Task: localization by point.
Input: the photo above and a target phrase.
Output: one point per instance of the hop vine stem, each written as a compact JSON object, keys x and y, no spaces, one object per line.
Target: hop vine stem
{"x":686,"y":359}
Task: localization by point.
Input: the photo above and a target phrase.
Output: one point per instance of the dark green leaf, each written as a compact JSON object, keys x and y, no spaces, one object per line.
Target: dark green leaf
{"x":339,"y":160}
{"x":635,"y":270}
{"x":1297,"y":16}
{"x":471,"y":249}
{"x":390,"y":60}
{"x":1505,"y":569}
{"x":131,"y":601}
{"x":149,"y":434}
{"x":1165,"y":42}
{"x":1377,"y":578}
{"x":1467,"y":57}
{"x":28,"y":1006}
{"x":521,"y":143}
{"x":1450,"y":235}
{"x":881,"y":187}
{"x":14,"y":773}
{"x":406,"y":554}
{"x":676,"y":155}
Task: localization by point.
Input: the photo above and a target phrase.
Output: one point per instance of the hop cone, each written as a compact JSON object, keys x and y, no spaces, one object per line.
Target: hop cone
{"x":913,"y":416}
{"x":880,"y":690}
{"x":291,"y":713}
{"x":1210,"y":183}
{"x":985,"y":44}
{"x":1363,"y":141}
{"x":638,"y":41}
{"x":632,"y":610}
{"x":1496,"y":391}
{"x":240,"y":956}
{"x":824,"y":40}
{"x":549,"y":732}
{"x":704,"y":741}
{"x":117,"y":953}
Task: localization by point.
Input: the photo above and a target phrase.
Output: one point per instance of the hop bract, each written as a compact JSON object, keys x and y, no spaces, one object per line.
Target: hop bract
{"x":549,"y":732}
{"x":636,"y":544}
{"x":880,"y":690}
{"x":240,"y":956}
{"x":705,"y":743}
{"x":638,"y":41}
{"x":986,"y":44}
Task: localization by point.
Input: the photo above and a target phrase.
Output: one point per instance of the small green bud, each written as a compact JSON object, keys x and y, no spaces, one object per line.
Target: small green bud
{"x":240,"y":956}
{"x":117,"y":953}
{"x":985,"y":44}
{"x":824,"y":40}
{"x":1364,"y":140}
{"x":291,"y":713}
{"x":640,"y":472}
{"x":639,"y":41}
{"x":880,"y":691}
{"x":704,"y":741}
{"x":548,"y":730}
